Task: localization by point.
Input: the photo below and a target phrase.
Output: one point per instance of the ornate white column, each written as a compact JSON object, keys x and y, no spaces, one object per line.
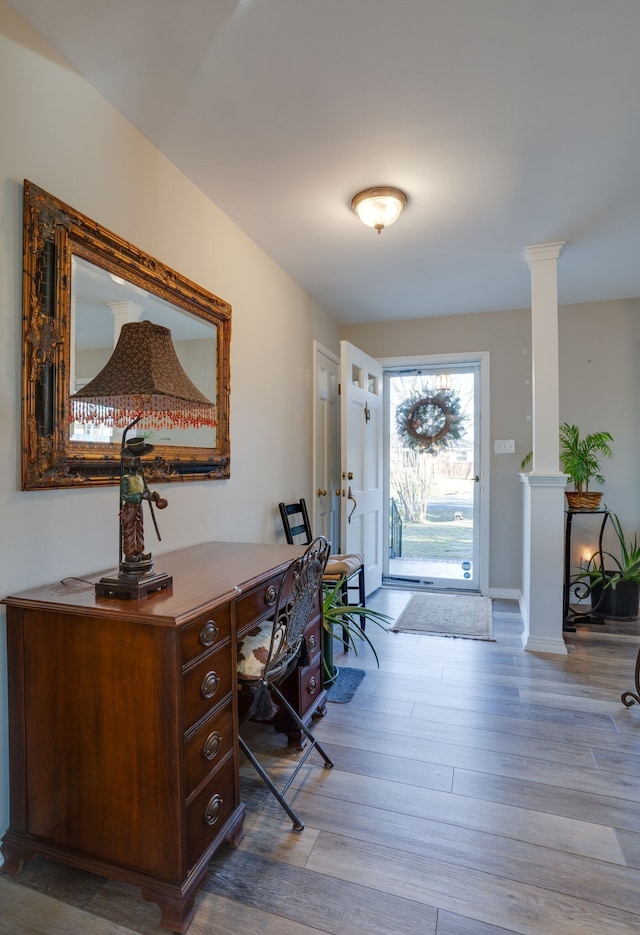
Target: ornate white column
{"x":543,"y":527}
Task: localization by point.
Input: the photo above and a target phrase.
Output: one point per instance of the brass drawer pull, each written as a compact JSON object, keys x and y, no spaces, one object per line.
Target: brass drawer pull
{"x":270,"y":596}
{"x":312,"y":642}
{"x":209,"y":685}
{"x":312,"y":686}
{"x":209,"y":633}
{"x":213,"y":809}
{"x":211,"y":745}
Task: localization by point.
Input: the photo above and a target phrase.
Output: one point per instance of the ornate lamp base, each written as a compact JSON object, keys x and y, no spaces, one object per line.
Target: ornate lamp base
{"x":132,"y":586}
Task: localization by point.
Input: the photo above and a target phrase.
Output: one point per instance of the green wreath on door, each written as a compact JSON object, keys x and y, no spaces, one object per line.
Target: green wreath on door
{"x":429,"y":421}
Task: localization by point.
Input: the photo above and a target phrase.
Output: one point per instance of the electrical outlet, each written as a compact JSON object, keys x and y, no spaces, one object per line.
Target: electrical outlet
{"x":504,"y":446}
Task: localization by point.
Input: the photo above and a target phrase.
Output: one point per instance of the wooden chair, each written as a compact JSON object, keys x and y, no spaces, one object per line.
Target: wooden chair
{"x":346,"y":569}
{"x":271,"y":651}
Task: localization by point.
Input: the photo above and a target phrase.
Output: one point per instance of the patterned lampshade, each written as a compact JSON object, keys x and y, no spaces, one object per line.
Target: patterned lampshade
{"x":143,"y":377}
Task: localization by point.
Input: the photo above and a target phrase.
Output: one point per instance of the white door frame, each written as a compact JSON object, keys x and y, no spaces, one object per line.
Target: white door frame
{"x":325,"y":508}
{"x":481,"y":357}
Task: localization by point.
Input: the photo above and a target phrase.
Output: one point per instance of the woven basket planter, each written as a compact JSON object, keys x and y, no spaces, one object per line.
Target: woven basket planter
{"x":583,"y":501}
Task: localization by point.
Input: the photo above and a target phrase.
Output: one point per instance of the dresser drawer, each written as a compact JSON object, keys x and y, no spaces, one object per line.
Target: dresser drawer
{"x":304,"y":686}
{"x":205,"y":684}
{"x":209,"y":810}
{"x":257,"y":604}
{"x":207,"y":631}
{"x":311,"y":685}
{"x":312,"y":635}
{"x":206,"y":747}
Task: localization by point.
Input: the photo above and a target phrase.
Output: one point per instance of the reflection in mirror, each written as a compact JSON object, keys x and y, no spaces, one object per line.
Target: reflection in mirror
{"x":101,"y":303}
{"x":81,"y":283}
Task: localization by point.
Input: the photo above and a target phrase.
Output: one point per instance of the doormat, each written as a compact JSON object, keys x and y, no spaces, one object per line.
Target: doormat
{"x":455,"y":615}
{"x":345,"y":685}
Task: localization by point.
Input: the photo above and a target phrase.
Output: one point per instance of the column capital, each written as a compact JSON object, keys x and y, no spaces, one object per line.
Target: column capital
{"x":543,"y":251}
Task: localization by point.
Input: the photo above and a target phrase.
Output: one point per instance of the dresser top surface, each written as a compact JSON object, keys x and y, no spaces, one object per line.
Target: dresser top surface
{"x":203,"y":575}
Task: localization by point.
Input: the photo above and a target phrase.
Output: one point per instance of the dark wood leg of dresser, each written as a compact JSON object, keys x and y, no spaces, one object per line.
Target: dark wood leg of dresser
{"x":236,"y":832}
{"x":295,"y":737}
{"x":177,"y":905}
{"x":283,"y":724}
{"x":176,"y":909}
{"x":320,"y":710}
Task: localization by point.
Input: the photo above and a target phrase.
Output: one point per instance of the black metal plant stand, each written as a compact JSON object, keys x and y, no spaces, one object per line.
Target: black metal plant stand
{"x":581,"y":589}
{"x":629,"y":698}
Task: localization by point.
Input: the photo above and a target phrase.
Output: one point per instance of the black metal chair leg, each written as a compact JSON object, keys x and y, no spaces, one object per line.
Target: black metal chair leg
{"x":328,"y":762}
{"x":266,"y":778}
{"x":361,"y":595}
{"x":344,"y":597}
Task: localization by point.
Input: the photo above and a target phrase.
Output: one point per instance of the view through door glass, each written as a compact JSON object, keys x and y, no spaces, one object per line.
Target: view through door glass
{"x":432,"y":470}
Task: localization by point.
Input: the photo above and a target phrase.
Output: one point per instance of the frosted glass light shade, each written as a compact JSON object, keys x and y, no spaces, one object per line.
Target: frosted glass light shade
{"x":379,"y":207}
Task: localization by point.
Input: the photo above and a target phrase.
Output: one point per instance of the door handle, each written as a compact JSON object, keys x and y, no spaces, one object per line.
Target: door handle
{"x":351,"y":497}
{"x":321,"y":492}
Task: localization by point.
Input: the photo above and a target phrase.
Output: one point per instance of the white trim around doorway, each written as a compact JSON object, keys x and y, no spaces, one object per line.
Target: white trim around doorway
{"x":481,"y":358}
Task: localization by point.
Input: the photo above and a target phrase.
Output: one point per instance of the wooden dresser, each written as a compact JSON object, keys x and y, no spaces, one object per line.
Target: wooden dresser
{"x":123,"y":720}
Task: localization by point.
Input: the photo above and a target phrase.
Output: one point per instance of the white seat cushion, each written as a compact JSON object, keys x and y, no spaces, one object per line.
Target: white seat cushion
{"x":339,"y":565}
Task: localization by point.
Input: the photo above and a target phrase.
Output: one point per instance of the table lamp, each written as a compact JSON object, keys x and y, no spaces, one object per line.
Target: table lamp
{"x":143,"y":379}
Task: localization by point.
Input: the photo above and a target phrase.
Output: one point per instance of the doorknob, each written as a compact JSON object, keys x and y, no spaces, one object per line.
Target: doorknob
{"x":321,"y":492}
{"x":338,"y":492}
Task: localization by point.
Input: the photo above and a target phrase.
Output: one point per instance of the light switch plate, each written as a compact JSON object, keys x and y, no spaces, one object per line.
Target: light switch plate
{"x":504,"y":446}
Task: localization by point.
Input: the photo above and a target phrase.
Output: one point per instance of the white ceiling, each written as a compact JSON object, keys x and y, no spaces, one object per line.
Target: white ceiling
{"x":508,"y":123}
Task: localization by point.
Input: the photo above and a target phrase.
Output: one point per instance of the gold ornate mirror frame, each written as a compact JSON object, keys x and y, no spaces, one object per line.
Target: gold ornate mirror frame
{"x":57,"y":242}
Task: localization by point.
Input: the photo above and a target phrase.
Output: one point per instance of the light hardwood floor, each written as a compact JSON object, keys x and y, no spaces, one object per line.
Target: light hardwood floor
{"x":478,"y":790}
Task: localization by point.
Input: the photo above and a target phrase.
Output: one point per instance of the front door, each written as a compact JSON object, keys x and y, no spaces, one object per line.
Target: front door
{"x":433,"y":475}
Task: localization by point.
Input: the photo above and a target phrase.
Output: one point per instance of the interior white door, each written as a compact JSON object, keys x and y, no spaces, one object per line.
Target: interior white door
{"x":361,"y":414}
{"x":325,"y":509}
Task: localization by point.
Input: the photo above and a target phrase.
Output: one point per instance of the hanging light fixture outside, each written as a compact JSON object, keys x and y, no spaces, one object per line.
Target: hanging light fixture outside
{"x":379,"y":207}
{"x":443,"y":383}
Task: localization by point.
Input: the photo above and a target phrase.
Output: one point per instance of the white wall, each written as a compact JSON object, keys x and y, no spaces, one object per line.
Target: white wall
{"x":58,"y":132}
{"x":600,"y":391}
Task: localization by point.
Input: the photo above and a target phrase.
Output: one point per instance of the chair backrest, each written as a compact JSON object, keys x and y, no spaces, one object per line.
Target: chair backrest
{"x":298,"y":594}
{"x":296,"y":523}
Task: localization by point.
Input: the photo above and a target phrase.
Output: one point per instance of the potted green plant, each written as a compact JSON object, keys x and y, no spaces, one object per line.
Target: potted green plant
{"x":580,"y":458}
{"x":338,"y":618}
{"x":614,"y":580}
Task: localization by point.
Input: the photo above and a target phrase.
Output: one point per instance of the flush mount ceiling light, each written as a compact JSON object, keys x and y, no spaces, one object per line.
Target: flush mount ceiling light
{"x":379,"y":207}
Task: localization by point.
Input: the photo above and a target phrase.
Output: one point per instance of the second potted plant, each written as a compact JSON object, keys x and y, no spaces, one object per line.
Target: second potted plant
{"x":580,"y":457}
{"x":614,"y":580}
{"x":339,"y":618}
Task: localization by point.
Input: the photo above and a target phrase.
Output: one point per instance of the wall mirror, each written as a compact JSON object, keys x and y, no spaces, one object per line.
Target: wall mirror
{"x":80,"y":283}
